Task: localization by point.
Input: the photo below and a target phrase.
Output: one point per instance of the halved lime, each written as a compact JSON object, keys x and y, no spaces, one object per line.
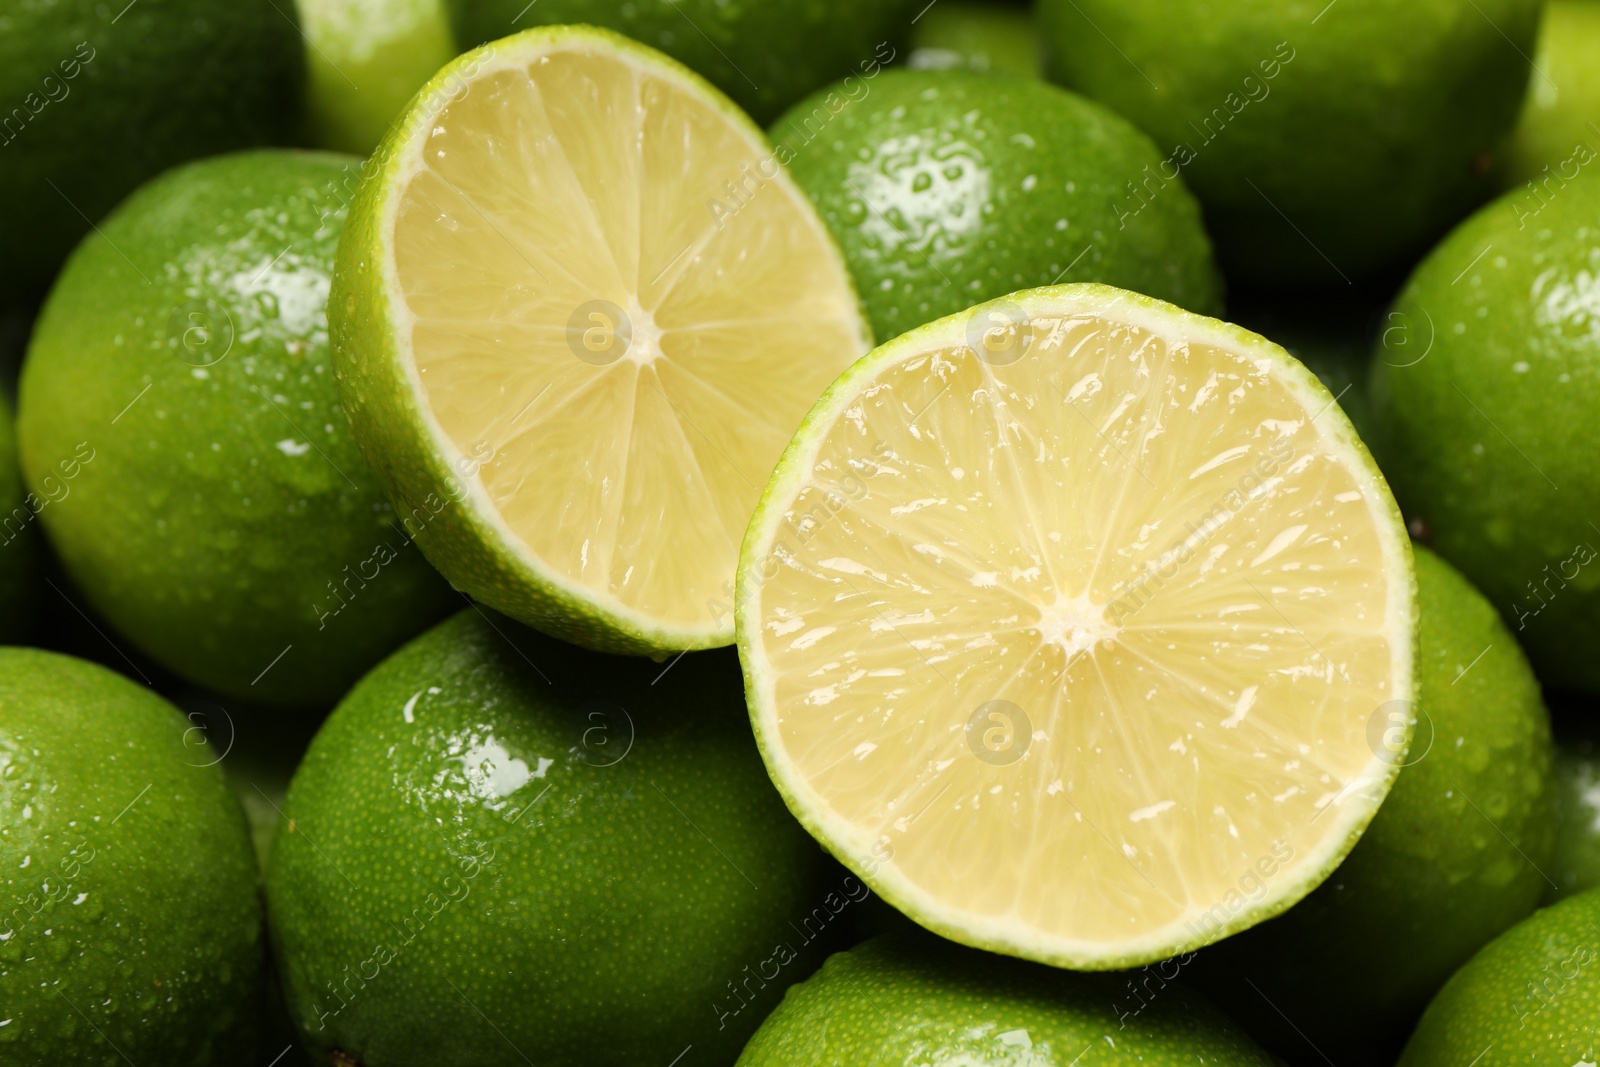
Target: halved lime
{"x":578,"y":310}
{"x":1080,"y":626}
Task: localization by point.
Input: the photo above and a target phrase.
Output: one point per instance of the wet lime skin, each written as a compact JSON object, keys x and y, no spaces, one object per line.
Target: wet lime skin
{"x":179,"y":411}
{"x":502,"y":847}
{"x":132,"y":924}
{"x":101,"y":96}
{"x":1575,"y":863}
{"x":1453,"y":858}
{"x":1485,"y":391}
{"x":911,"y":998}
{"x":1529,"y":999}
{"x":947,"y":188}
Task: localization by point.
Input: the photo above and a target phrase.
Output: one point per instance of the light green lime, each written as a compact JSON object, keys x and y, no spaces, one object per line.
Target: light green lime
{"x":1575,"y":861}
{"x":1532,"y":997}
{"x":1559,"y":131}
{"x":947,"y":188}
{"x":365,"y":59}
{"x":1330,"y":333}
{"x":1453,"y":857}
{"x":1325,"y":140}
{"x":764,"y":55}
{"x":1485,"y":393}
{"x":132,"y":930}
{"x":977,"y":35}
{"x":503,"y":850}
{"x":178,"y":414}
{"x":96,"y":97}
{"x":913,"y":999}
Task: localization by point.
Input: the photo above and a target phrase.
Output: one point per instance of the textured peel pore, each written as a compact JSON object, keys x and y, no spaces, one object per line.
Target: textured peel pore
{"x":617,"y":317}
{"x":1082,"y":648}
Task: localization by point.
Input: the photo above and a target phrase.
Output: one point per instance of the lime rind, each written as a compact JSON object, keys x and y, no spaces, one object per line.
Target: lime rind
{"x":870,"y":859}
{"x":431,"y":480}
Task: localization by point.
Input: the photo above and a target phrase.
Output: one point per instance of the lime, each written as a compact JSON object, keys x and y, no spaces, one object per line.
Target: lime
{"x":578,"y":311}
{"x":946,"y":188}
{"x":1559,"y":131}
{"x":1033,"y":611}
{"x":909,"y":998}
{"x":1575,"y":862}
{"x":983,"y":37}
{"x":180,"y":426}
{"x":19,"y":553}
{"x":1326,"y":140}
{"x":1485,"y":392}
{"x":365,"y":58}
{"x":100,"y":96}
{"x":1452,"y":859}
{"x":132,"y":930}
{"x":764,"y":55}
{"x":1530,"y":997}
{"x":503,"y":850}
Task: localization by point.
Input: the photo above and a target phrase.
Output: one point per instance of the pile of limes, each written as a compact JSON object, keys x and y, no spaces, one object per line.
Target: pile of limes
{"x":688,"y":533}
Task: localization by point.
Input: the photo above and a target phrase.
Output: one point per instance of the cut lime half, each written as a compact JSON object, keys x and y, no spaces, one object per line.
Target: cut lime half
{"x":1080,"y":626}
{"x":578,"y":310}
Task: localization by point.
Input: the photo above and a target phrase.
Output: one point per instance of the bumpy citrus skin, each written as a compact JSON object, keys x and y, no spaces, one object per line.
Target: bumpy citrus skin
{"x":1485,"y":391}
{"x":205,"y":492}
{"x":583,"y":849}
{"x":947,"y":188}
{"x":132,"y":930}
{"x":1554,"y":138}
{"x":1452,"y":859}
{"x":99,"y":98}
{"x":1321,"y":142}
{"x":1575,"y":861}
{"x":1531,"y":997}
{"x":911,"y":998}
{"x":764,"y":55}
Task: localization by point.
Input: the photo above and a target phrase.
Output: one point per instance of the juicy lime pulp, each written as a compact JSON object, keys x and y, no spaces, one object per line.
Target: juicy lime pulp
{"x":1065,"y":623}
{"x":580,"y":309}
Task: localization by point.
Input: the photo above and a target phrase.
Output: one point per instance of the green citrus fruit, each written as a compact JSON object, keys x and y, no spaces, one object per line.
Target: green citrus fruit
{"x":365,"y":58}
{"x":983,"y":37}
{"x":911,"y":998}
{"x":1485,"y":393}
{"x":99,"y":96}
{"x":947,"y":188}
{"x":19,"y":553}
{"x":1330,"y":335}
{"x":1559,"y":131}
{"x":575,"y":368}
{"x":501,"y":850}
{"x":1453,"y":858}
{"x":764,"y":55}
{"x":132,"y":930}
{"x":1032,"y":612}
{"x":1326,"y":140}
{"x":1531,"y":997}
{"x":1575,"y":861}
{"x":180,"y":424}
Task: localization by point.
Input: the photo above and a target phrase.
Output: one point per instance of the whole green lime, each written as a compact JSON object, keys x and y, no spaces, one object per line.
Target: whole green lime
{"x":1575,"y":861}
{"x":1485,"y":393}
{"x":764,"y":55}
{"x":977,"y":35}
{"x":180,"y":423}
{"x":19,"y":554}
{"x":1530,"y":997}
{"x":501,"y":849}
{"x":132,"y":929}
{"x":99,"y":96}
{"x":1453,"y":858}
{"x":911,"y":998}
{"x":365,"y":59}
{"x":1559,"y":131}
{"x":947,"y":188}
{"x":1326,"y":140}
